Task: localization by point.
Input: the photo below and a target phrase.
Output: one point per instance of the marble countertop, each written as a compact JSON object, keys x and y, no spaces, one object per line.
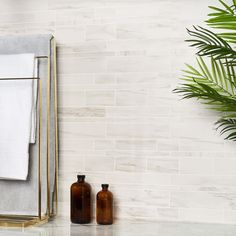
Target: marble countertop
{"x":63,"y":227}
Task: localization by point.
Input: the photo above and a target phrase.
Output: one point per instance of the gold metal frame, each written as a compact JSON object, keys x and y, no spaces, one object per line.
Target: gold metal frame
{"x":28,"y":220}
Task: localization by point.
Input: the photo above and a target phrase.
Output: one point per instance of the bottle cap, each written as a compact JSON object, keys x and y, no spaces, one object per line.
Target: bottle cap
{"x":81,"y":177}
{"x":105,"y":185}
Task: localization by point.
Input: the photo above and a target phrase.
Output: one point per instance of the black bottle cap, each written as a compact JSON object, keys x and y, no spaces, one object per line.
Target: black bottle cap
{"x":105,"y":185}
{"x":80,"y":177}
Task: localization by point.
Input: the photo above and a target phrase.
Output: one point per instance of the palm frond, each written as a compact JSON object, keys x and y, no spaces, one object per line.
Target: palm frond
{"x":220,"y":76}
{"x":224,"y":18}
{"x":214,"y":83}
{"x":228,"y":36}
{"x":209,"y":97}
{"x":210,"y":44}
{"x":228,"y":127}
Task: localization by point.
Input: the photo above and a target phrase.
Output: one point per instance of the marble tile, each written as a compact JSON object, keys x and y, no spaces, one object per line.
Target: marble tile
{"x":102,"y":79}
{"x":104,"y":144}
{"x":99,"y":163}
{"x":167,"y":145}
{"x":74,"y":64}
{"x":66,"y":80}
{"x":100,"y":32}
{"x":138,"y":130}
{"x":199,"y":215}
{"x":70,"y":34}
{"x":71,"y":130}
{"x":100,"y":98}
{"x":199,"y":166}
{"x":81,"y":112}
{"x":138,"y":111}
{"x":204,"y":180}
{"x":131,"y":97}
{"x":163,"y":165}
{"x":136,"y":144}
{"x":128,"y":164}
{"x":74,"y":145}
{"x":208,"y":200}
{"x":71,"y":98}
{"x":225,"y":166}
{"x":82,"y":48}
{"x":72,"y":17}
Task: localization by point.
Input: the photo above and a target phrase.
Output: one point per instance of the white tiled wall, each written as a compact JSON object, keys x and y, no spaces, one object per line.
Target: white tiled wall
{"x":118,"y":61}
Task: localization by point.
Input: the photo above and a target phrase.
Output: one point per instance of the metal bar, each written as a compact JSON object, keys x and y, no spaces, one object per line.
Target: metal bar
{"x":56,"y":130}
{"x":40,"y":153}
{"x":48,"y":133}
{"x":27,"y":78}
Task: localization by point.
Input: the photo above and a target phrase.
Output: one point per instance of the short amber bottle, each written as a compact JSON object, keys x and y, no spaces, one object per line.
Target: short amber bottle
{"x":105,"y":206}
{"x":80,"y":201}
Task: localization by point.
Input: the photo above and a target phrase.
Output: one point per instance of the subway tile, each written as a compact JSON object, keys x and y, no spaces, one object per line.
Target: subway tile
{"x":74,"y":64}
{"x":229,"y":216}
{"x":27,"y":17}
{"x":208,"y":200}
{"x":102,"y":79}
{"x":72,"y":17}
{"x":66,"y":112}
{"x":196,"y":166}
{"x":72,"y":80}
{"x":201,"y":215}
{"x":84,"y":48}
{"x":136,"y":145}
{"x":204,"y":180}
{"x":100,"y":98}
{"x":24,"y":7}
{"x":74,"y":145}
{"x":104,"y":144}
{"x":138,"y":111}
{"x":130,"y":97}
{"x":225,"y":166}
{"x":71,"y":98}
{"x":128,"y":164}
{"x":72,"y":130}
{"x":149,"y":213}
{"x":70,"y":34}
{"x":144,"y":197}
{"x":138,"y":130}
{"x":167,"y":145}
{"x":100,"y":32}
{"x":99,"y":163}
{"x":163,"y":165}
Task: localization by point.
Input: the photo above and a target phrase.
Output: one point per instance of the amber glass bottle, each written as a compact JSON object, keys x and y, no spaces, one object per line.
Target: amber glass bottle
{"x":80,"y":201}
{"x":105,"y":206}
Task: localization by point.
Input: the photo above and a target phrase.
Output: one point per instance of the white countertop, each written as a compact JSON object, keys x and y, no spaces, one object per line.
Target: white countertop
{"x":63,"y":227}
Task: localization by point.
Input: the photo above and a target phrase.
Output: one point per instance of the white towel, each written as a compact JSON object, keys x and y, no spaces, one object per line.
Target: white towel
{"x":17,"y":114}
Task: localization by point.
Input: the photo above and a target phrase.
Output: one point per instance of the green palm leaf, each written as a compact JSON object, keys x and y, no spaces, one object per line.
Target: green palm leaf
{"x":214,"y":82}
{"x":219,"y":76}
{"x":227,"y":126}
{"x":210,"y":44}
{"x":223,"y":18}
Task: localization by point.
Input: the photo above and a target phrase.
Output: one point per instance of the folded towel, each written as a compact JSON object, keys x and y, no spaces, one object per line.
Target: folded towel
{"x":17,"y":114}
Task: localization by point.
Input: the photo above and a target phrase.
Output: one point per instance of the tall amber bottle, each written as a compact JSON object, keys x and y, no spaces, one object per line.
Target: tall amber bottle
{"x":105,"y":206}
{"x":80,"y":201}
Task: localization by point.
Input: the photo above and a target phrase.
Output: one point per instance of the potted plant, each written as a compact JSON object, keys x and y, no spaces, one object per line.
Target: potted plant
{"x":213,"y":81}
